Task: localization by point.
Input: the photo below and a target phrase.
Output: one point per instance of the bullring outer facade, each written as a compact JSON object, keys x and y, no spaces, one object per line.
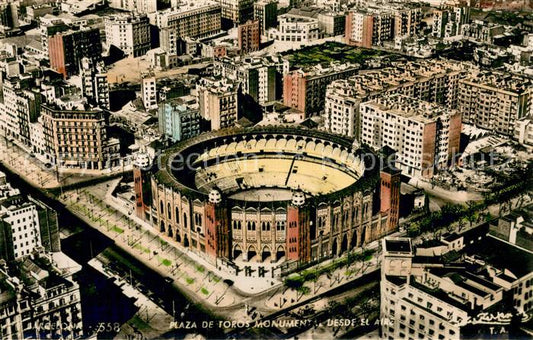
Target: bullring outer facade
{"x":272,"y":195}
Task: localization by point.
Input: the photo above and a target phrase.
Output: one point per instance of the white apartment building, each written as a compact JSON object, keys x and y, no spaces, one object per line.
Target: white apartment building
{"x":523,"y":132}
{"x":447,"y":23}
{"x":23,"y":221}
{"x":129,"y":33}
{"x":428,"y":80}
{"x":295,"y":28}
{"x":149,"y":93}
{"x":495,"y":101}
{"x":218,"y":102}
{"x":424,"y":135}
{"x":260,"y":76}
{"x":341,"y":112}
{"x":95,"y":86}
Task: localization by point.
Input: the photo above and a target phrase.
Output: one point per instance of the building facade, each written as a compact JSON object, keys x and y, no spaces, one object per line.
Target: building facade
{"x":129,"y":33}
{"x":266,"y":12}
{"x":305,"y":90}
{"x":179,"y":119}
{"x":368,"y":28}
{"x":66,"y":49}
{"x":421,"y":297}
{"x":249,"y":37}
{"x":218,"y":102}
{"x":78,"y":139}
{"x":192,"y":20}
{"x":448,"y":23}
{"x":236,"y":12}
{"x":432,"y":81}
{"x":260,"y":77}
{"x":95,"y":86}
{"x":495,"y":101}
{"x":425,"y":136}
{"x":149,"y":92}
{"x":296,"y":29}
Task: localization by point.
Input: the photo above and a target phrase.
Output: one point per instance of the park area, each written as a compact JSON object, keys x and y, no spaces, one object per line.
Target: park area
{"x":333,"y":51}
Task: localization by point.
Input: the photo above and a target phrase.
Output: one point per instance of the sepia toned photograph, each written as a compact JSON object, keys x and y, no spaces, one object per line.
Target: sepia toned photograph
{"x":266,"y":169}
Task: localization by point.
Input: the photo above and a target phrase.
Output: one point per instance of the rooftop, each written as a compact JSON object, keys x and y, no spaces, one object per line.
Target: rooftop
{"x":398,"y":245}
{"x":412,"y":108}
{"x":502,"y":81}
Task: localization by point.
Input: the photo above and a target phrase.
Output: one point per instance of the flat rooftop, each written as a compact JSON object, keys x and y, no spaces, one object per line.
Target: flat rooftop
{"x":398,"y":245}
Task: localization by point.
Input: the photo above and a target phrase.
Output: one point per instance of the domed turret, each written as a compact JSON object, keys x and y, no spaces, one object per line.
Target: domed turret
{"x":215,"y":197}
{"x":142,"y":160}
{"x":298,"y":198}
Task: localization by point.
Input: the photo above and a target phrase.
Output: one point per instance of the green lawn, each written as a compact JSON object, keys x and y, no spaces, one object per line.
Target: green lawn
{"x":189,"y":280}
{"x":140,"y":247}
{"x":163,"y":261}
{"x":204,"y":291}
{"x":117,"y":229}
{"x":201,"y":269}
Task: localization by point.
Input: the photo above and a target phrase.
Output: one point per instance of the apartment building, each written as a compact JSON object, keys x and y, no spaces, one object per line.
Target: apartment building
{"x":218,"y":102}
{"x":179,"y":118}
{"x":19,"y":108}
{"x":42,"y":301}
{"x":95,"y":86}
{"x":27,"y":226}
{"x":67,"y":48}
{"x":78,"y":139}
{"x":235,"y":12}
{"x":495,"y":101}
{"x":249,"y":37}
{"x":192,"y":19}
{"x":19,"y":222}
{"x":138,"y":6}
{"x":305,"y":89}
{"x":295,"y":28}
{"x":448,"y":23}
{"x":428,"y":80}
{"x":425,"y":297}
{"x":129,"y":33}
{"x":407,"y":21}
{"x":266,"y":12}
{"x":424,"y":135}
{"x":260,"y":77}
{"x":369,"y":28}
{"x":523,"y":132}
{"x":149,"y":92}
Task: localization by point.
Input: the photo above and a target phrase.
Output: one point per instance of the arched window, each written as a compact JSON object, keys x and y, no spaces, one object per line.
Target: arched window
{"x":177,"y":215}
{"x":169,"y":211}
{"x":161,"y":207}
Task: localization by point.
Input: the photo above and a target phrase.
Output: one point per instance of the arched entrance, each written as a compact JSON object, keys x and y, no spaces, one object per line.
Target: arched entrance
{"x":170,"y":233}
{"x":178,"y":237}
{"x":344,"y":244}
{"x":251,"y":252}
{"x":353,"y":242}
{"x":334,"y":248}
{"x":265,"y":254}
{"x":185,"y":241}
{"x":280,"y":253}
{"x":162,"y":227}
{"x":237,"y":251}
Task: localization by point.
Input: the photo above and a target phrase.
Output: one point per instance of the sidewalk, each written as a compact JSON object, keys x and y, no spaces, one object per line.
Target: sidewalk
{"x":150,"y":321}
{"x":192,"y":278}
